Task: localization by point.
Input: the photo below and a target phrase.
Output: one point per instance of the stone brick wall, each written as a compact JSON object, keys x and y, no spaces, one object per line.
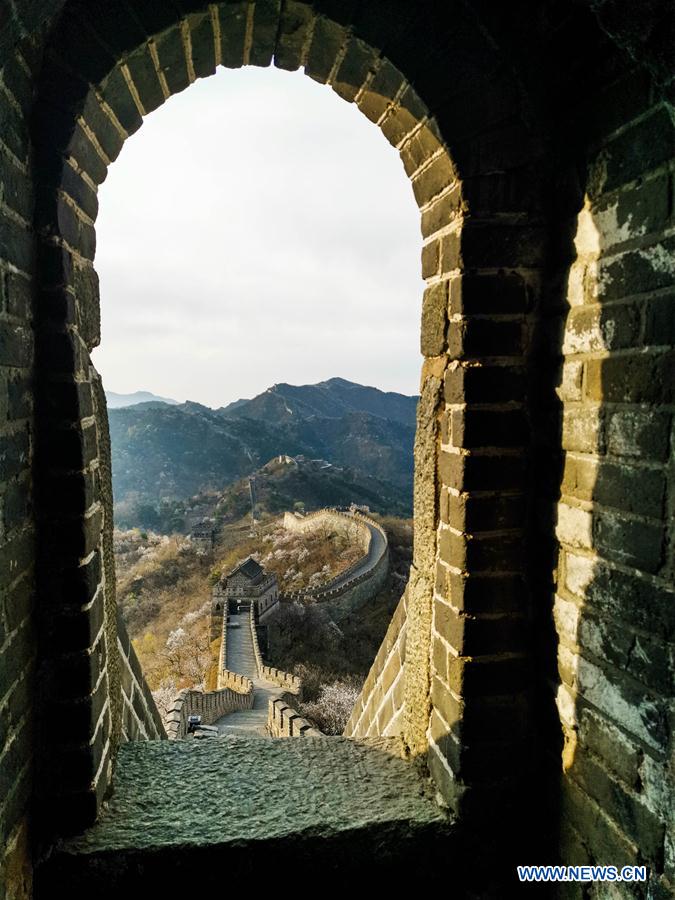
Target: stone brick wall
{"x":521,"y":127}
{"x":141,"y":720}
{"x":380,"y":708}
{"x":18,"y":648}
{"x":285,"y":721}
{"x":615,"y":602}
{"x":210,"y":705}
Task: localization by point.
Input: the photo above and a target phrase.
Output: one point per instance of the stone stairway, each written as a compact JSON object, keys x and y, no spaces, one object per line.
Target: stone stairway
{"x":299,"y":814}
{"x":241,"y":659}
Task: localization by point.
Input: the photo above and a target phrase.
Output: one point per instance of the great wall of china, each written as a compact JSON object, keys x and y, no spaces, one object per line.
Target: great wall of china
{"x":244,"y":681}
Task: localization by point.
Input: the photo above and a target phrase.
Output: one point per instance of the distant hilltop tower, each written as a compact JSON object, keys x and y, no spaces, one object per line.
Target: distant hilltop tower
{"x":248,"y":583}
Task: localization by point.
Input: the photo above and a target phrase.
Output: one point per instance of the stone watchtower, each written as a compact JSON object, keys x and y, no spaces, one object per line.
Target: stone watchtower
{"x":248,"y":583}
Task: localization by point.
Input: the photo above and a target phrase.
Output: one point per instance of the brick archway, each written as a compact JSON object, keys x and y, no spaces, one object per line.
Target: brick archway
{"x":476,"y":171}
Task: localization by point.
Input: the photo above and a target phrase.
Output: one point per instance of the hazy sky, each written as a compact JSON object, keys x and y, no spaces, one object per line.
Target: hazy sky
{"x":257,"y":229}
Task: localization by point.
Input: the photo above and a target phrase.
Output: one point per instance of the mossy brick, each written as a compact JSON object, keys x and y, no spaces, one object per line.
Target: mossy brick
{"x":434,"y":319}
{"x":144,"y":76}
{"x":327,"y":41}
{"x":115,"y":92}
{"x":633,"y":378}
{"x":232,"y":18}
{"x":172,"y":61}
{"x":203,"y":45}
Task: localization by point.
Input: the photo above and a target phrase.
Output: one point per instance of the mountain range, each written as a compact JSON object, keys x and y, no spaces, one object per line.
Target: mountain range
{"x":172,"y":451}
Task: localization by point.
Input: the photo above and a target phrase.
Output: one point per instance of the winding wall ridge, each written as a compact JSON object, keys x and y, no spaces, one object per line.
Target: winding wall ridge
{"x":341,"y":584}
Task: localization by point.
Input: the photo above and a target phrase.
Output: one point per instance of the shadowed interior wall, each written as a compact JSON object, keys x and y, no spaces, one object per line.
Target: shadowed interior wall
{"x":538,"y":140}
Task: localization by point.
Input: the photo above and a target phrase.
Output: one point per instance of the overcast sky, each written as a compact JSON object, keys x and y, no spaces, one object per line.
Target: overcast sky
{"x":257,"y":229}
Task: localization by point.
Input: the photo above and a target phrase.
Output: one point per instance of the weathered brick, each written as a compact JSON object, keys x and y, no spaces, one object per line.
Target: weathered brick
{"x":631,"y":817}
{"x":327,"y":39}
{"x":638,"y":433}
{"x":630,"y":541}
{"x":265,"y":26}
{"x":203,"y":45}
{"x":115,"y":92}
{"x":294,"y":27}
{"x":638,"y":149}
{"x":637,"y":271}
{"x":434,"y":319}
{"x":639,"y":378}
{"x":430,"y":259}
{"x":145,"y":78}
{"x":442,"y":211}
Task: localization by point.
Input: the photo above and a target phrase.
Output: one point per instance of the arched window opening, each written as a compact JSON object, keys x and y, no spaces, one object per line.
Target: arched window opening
{"x":258,"y":255}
